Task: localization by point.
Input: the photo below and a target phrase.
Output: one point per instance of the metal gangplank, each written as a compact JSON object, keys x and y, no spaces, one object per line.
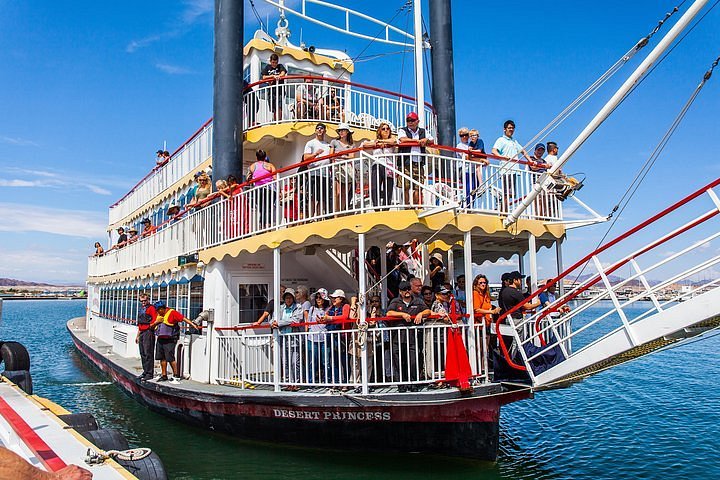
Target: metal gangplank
{"x":670,"y":293}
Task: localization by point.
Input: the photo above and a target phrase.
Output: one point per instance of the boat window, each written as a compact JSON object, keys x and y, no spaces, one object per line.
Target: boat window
{"x":172,"y":296}
{"x":252,"y":300}
{"x":196,"y":298}
{"x":164,"y":295}
{"x":183,"y":299}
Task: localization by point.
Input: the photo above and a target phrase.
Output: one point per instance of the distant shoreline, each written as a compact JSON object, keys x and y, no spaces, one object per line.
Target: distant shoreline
{"x":44,"y":297}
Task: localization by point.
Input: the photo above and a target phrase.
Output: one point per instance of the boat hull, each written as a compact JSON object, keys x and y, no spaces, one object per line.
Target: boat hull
{"x":455,"y":425}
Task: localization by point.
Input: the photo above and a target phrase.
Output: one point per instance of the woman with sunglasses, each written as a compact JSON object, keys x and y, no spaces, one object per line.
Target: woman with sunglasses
{"x":484,"y":310}
{"x":382,"y":179}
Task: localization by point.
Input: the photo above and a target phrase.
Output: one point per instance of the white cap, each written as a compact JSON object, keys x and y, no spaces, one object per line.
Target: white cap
{"x":338,"y":293}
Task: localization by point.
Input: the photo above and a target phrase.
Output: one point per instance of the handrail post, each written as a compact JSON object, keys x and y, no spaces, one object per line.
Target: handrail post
{"x":275,"y":331}
{"x":469,"y":307}
{"x":362,"y":301}
{"x":243,"y":359}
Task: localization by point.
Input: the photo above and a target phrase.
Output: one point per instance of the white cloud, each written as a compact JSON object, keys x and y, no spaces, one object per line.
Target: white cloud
{"x":196,"y":10}
{"x":173,"y":69}
{"x":43,"y":265}
{"x":17,"y":217}
{"x":193,"y":12}
{"x":135,"y":45}
{"x":21,"y":183}
{"x":17,"y":141}
{"x":98,"y":190}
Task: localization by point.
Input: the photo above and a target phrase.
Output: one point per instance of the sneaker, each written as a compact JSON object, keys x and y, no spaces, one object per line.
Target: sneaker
{"x":163,"y":378}
{"x":176,"y":379}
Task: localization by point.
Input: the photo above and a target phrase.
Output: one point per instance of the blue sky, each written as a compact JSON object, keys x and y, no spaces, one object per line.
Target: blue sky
{"x":89,"y":90}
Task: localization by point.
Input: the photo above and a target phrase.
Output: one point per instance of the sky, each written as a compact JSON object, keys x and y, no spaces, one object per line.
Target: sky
{"x":89,"y":90}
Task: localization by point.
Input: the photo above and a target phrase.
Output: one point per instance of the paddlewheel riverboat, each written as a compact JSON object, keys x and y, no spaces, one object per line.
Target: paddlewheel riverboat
{"x":312,"y":223}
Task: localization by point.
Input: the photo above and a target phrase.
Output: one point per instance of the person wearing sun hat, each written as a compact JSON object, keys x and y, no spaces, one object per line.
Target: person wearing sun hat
{"x":338,"y":317}
{"x":412,"y":156}
{"x":290,"y":312}
{"x":437,"y":270}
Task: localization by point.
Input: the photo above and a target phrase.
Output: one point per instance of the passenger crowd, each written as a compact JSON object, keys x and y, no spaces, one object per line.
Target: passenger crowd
{"x":330,"y":185}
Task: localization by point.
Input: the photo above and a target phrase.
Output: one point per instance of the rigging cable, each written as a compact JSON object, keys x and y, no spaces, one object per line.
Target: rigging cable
{"x":584,"y":96}
{"x":647,"y":166}
{"x":257,"y":15}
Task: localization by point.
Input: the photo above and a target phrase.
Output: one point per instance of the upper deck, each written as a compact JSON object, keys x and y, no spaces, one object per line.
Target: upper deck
{"x":336,"y":100}
{"x":446,"y":193}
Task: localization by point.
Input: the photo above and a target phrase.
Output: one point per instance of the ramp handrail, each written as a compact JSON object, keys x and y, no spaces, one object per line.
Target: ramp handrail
{"x":602,"y":273}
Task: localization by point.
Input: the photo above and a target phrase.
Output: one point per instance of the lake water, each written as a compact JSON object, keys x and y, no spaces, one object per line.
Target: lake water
{"x":656,"y":417}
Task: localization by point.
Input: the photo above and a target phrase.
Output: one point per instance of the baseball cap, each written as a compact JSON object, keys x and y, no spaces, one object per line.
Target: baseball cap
{"x":404,"y":286}
{"x":159,"y":304}
{"x":441,"y":289}
{"x":540,"y":145}
{"x":515,"y":274}
{"x":338,"y":293}
{"x":412,"y":116}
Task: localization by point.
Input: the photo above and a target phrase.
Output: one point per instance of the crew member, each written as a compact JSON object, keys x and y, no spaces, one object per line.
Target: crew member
{"x":145,"y":337}
{"x":167,"y":330}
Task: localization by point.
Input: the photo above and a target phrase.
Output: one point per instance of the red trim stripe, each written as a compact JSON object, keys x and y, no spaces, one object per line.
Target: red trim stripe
{"x":38,"y":446}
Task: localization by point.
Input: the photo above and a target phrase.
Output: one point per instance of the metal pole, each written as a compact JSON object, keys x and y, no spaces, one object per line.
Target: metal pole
{"x":532,"y":249}
{"x":443,"y":76}
{"x":227,"y":89}
{"x":609,"y":107}
{"x":276,"y":309}
{"x":362,"y":299}
{"x":419,"y":84}
{"x":559,"y":265}
{"x":469,"y":307}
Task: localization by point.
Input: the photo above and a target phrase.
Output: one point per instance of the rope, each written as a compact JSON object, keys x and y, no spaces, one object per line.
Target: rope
{"x":584,"y":96}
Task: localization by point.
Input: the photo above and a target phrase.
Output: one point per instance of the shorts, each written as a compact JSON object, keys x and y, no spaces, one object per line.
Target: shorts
{"x":414,"y":170}
{"x":165,"y":349}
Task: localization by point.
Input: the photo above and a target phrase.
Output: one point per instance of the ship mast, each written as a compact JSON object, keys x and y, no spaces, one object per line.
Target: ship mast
{"x":609,"y":107}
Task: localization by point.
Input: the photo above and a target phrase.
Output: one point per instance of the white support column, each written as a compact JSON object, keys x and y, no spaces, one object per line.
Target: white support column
{"x":362,"y":298}
{"x":276,"y":309}
{"x":470,"y":308}
{"x":425,"y":256}
{"x":451,"y":267}
{"x":383,"y":275}
{"x":532,"y":250}
{"x":419,"y":84}
{"x":559,"y":265}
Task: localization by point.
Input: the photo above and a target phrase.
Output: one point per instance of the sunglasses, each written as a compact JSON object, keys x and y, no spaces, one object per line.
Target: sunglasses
{"x":412,"y":120}
{"x":320,"y":128}
{"x":464,"y":134}
{"x":482,"y":283}
{"x":385,"y":128}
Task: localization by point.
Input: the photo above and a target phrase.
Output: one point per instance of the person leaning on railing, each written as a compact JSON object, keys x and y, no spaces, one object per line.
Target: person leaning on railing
{"x":98,"y":249}
{"x":382,"y":177}
{"x":344,"y":171}
{"x":413,"y":156}
{"x":412,"y":310}
{"x":338,"y":317}
{"x":290,"y":312}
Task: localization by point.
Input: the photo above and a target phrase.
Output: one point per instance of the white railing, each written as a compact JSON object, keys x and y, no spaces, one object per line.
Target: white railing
{"x":186,"y":160}
{"x":343,"y":187}
{"x":393,"y":355}
{"x":298,"y":99}
{"x":328,"y":100}
{"x":685,"y":258}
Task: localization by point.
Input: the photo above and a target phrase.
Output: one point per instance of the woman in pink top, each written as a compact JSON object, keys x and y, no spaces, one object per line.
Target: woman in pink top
{"x":262,"y":173}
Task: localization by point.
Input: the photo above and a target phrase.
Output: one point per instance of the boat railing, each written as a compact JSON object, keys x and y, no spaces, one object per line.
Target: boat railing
{"x":331,"y":187}
{"x":383,"y":355}
{"x":300,"y":98}
{"x":186,"y":159}
{"x":678,"y":250}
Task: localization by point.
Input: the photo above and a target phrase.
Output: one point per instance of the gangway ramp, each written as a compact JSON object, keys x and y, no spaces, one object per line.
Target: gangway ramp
{"x":615,"y":322}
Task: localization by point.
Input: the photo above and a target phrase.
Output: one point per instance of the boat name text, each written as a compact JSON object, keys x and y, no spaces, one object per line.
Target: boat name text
{"x":318,"y":415}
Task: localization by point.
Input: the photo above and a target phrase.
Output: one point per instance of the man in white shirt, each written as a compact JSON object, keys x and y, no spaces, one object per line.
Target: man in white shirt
{"x":506,"y":146}
{"x":319,"y":172}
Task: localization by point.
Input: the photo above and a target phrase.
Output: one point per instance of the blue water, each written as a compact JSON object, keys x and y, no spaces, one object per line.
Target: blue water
{"x":655,"y":417}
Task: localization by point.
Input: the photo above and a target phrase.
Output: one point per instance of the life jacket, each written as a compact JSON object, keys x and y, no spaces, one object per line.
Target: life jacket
{"x":166,"y":328}
{"x":144,"y":319}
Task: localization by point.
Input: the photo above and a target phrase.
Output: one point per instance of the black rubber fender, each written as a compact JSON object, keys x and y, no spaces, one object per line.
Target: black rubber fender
{"x":21,"y":378}
{"x":107,"y":439}
{"x":81,"y":422}
{"x":15,"y":356}
{"x":149,"y":468}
